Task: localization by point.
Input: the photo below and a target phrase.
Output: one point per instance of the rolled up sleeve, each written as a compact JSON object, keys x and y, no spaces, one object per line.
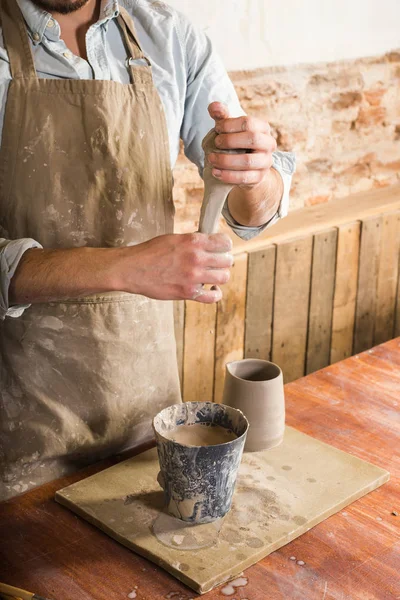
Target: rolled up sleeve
{"x":285,"y":164}
{"x":11,"y":252}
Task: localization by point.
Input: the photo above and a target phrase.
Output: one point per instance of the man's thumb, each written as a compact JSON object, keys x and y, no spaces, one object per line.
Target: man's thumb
{"x":218,"y":111}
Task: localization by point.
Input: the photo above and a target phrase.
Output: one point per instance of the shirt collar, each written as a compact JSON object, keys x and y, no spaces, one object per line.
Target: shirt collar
{"x":37,"y":19}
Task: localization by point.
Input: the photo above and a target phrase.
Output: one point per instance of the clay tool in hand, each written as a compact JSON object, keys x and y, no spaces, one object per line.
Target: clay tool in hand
{"x":215,"y":191}
{"x":8,"y":591}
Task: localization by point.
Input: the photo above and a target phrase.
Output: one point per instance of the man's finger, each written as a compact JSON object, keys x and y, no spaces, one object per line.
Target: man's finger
{"x":251,"y":140}
{"x":218,"y":111}
{"x":240,"y":162}
{"x":218,"y":242}
{"x":239,"y":177}
{"x":207,"y":296}
{"x":215,"y":276}
{"x":216,"y":260}
{"x":244,"y":123}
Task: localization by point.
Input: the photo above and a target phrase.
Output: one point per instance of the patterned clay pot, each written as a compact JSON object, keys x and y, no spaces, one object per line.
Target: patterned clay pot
{"x":199,"y":481}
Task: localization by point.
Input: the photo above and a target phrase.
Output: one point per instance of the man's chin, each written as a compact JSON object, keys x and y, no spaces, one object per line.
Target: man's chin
{"x":63,"y":7}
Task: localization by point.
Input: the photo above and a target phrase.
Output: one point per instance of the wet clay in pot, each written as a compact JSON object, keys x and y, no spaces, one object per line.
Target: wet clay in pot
{"x":201,"y":435}
{"x":255,"y":387}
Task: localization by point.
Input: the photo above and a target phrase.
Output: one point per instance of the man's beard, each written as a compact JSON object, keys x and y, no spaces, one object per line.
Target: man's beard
{"x":64,"y":7}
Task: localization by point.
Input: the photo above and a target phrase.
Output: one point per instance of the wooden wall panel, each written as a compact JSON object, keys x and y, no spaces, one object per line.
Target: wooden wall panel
{"x":321,"y":300}
{"x":230,"y":323}
{"x":370,"y":246}
{"x":292,"y":292}
{"x":259,"y":303}
{"x":179,"y":323}
{"x":199,"y":352}
{"x":344,"y":301}
{"x":277,"y":304}
{"x":387,"y":278}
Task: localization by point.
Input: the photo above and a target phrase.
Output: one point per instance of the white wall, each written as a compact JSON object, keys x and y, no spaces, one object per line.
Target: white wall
{"x":259,"y":33}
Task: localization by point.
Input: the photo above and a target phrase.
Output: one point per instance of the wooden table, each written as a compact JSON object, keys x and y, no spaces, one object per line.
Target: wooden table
{"x":354,"y":555}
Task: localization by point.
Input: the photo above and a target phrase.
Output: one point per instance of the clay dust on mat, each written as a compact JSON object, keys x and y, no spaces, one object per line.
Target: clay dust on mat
{"x":230,"y":588}
{"x":177,"y":534}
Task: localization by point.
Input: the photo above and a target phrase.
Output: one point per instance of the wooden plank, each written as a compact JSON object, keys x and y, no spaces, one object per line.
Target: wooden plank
{"x":387,"y":278}
{"x":179,"y":324}
{"x":259,"y":303}
{"x":321,"y":300}
{"x":199,"y":352}
{"x":371,"y":230}
{"x":344,"y":301}
{"x":229,"y":344}
{"x":310,"y":220}
{"x":292,"y":292}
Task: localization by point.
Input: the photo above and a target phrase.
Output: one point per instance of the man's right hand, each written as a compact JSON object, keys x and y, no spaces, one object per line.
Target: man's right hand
{"x":175,"y":267}
{"x":168,"y":267}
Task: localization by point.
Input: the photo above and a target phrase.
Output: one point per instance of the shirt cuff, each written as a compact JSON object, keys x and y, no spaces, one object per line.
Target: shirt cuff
{"x":11,"y":253}
{"x":285,"y":164}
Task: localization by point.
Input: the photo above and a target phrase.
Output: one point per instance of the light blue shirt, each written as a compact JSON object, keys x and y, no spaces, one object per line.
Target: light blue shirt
{"x":187,"y":73}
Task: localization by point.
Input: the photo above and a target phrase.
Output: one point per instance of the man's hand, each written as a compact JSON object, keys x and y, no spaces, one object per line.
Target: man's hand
{"x":247,"y":133}
{"x":259,"y":189}
{"x":174,"y":267}
{"x":168,"y":267}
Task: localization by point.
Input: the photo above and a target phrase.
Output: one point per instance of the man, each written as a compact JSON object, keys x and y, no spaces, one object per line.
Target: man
{"x":89,"y":133}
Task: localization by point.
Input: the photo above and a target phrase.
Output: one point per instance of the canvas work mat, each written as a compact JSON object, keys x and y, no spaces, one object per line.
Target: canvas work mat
{"x":280,"y":494}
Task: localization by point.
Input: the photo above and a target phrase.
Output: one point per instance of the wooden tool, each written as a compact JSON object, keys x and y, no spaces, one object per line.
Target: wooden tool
{"x":12,"y":593}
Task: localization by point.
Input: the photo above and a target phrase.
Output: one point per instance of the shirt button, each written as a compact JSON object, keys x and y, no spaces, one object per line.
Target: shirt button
{"x":50,"y":23}
{"x":67,"y":54}
{"x":36,"y":36}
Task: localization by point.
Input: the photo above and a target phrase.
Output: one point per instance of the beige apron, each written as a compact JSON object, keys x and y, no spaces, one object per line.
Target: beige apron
{"x":82,"y":163}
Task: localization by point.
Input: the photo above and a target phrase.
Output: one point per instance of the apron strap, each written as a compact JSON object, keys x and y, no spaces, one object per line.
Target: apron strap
{"x":140,"y":72}
{"x":16,"y":41}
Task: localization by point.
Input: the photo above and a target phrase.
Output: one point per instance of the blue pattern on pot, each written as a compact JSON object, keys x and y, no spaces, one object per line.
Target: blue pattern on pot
{"x":199,"y":481}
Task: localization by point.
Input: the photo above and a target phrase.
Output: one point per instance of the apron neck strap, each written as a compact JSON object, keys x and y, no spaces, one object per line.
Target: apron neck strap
{"x":142,"y":73}
{"x":16,"y":41}
{"x":131,"y":39}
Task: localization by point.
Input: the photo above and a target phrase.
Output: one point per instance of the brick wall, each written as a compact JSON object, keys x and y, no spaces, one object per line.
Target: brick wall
{"x":342,"y":119}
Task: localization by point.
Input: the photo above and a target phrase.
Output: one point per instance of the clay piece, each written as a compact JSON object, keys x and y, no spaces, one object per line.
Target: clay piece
{"x":215,"y":191}
{"x":275,"y":502}
{"x":200,"y":446}
{"x":255,"y":387}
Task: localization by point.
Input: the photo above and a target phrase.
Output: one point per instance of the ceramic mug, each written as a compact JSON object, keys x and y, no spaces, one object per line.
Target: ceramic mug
{"x":255,"y":387}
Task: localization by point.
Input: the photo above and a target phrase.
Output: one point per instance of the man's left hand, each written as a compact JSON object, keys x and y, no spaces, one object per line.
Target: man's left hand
{"x":249,"y":169}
